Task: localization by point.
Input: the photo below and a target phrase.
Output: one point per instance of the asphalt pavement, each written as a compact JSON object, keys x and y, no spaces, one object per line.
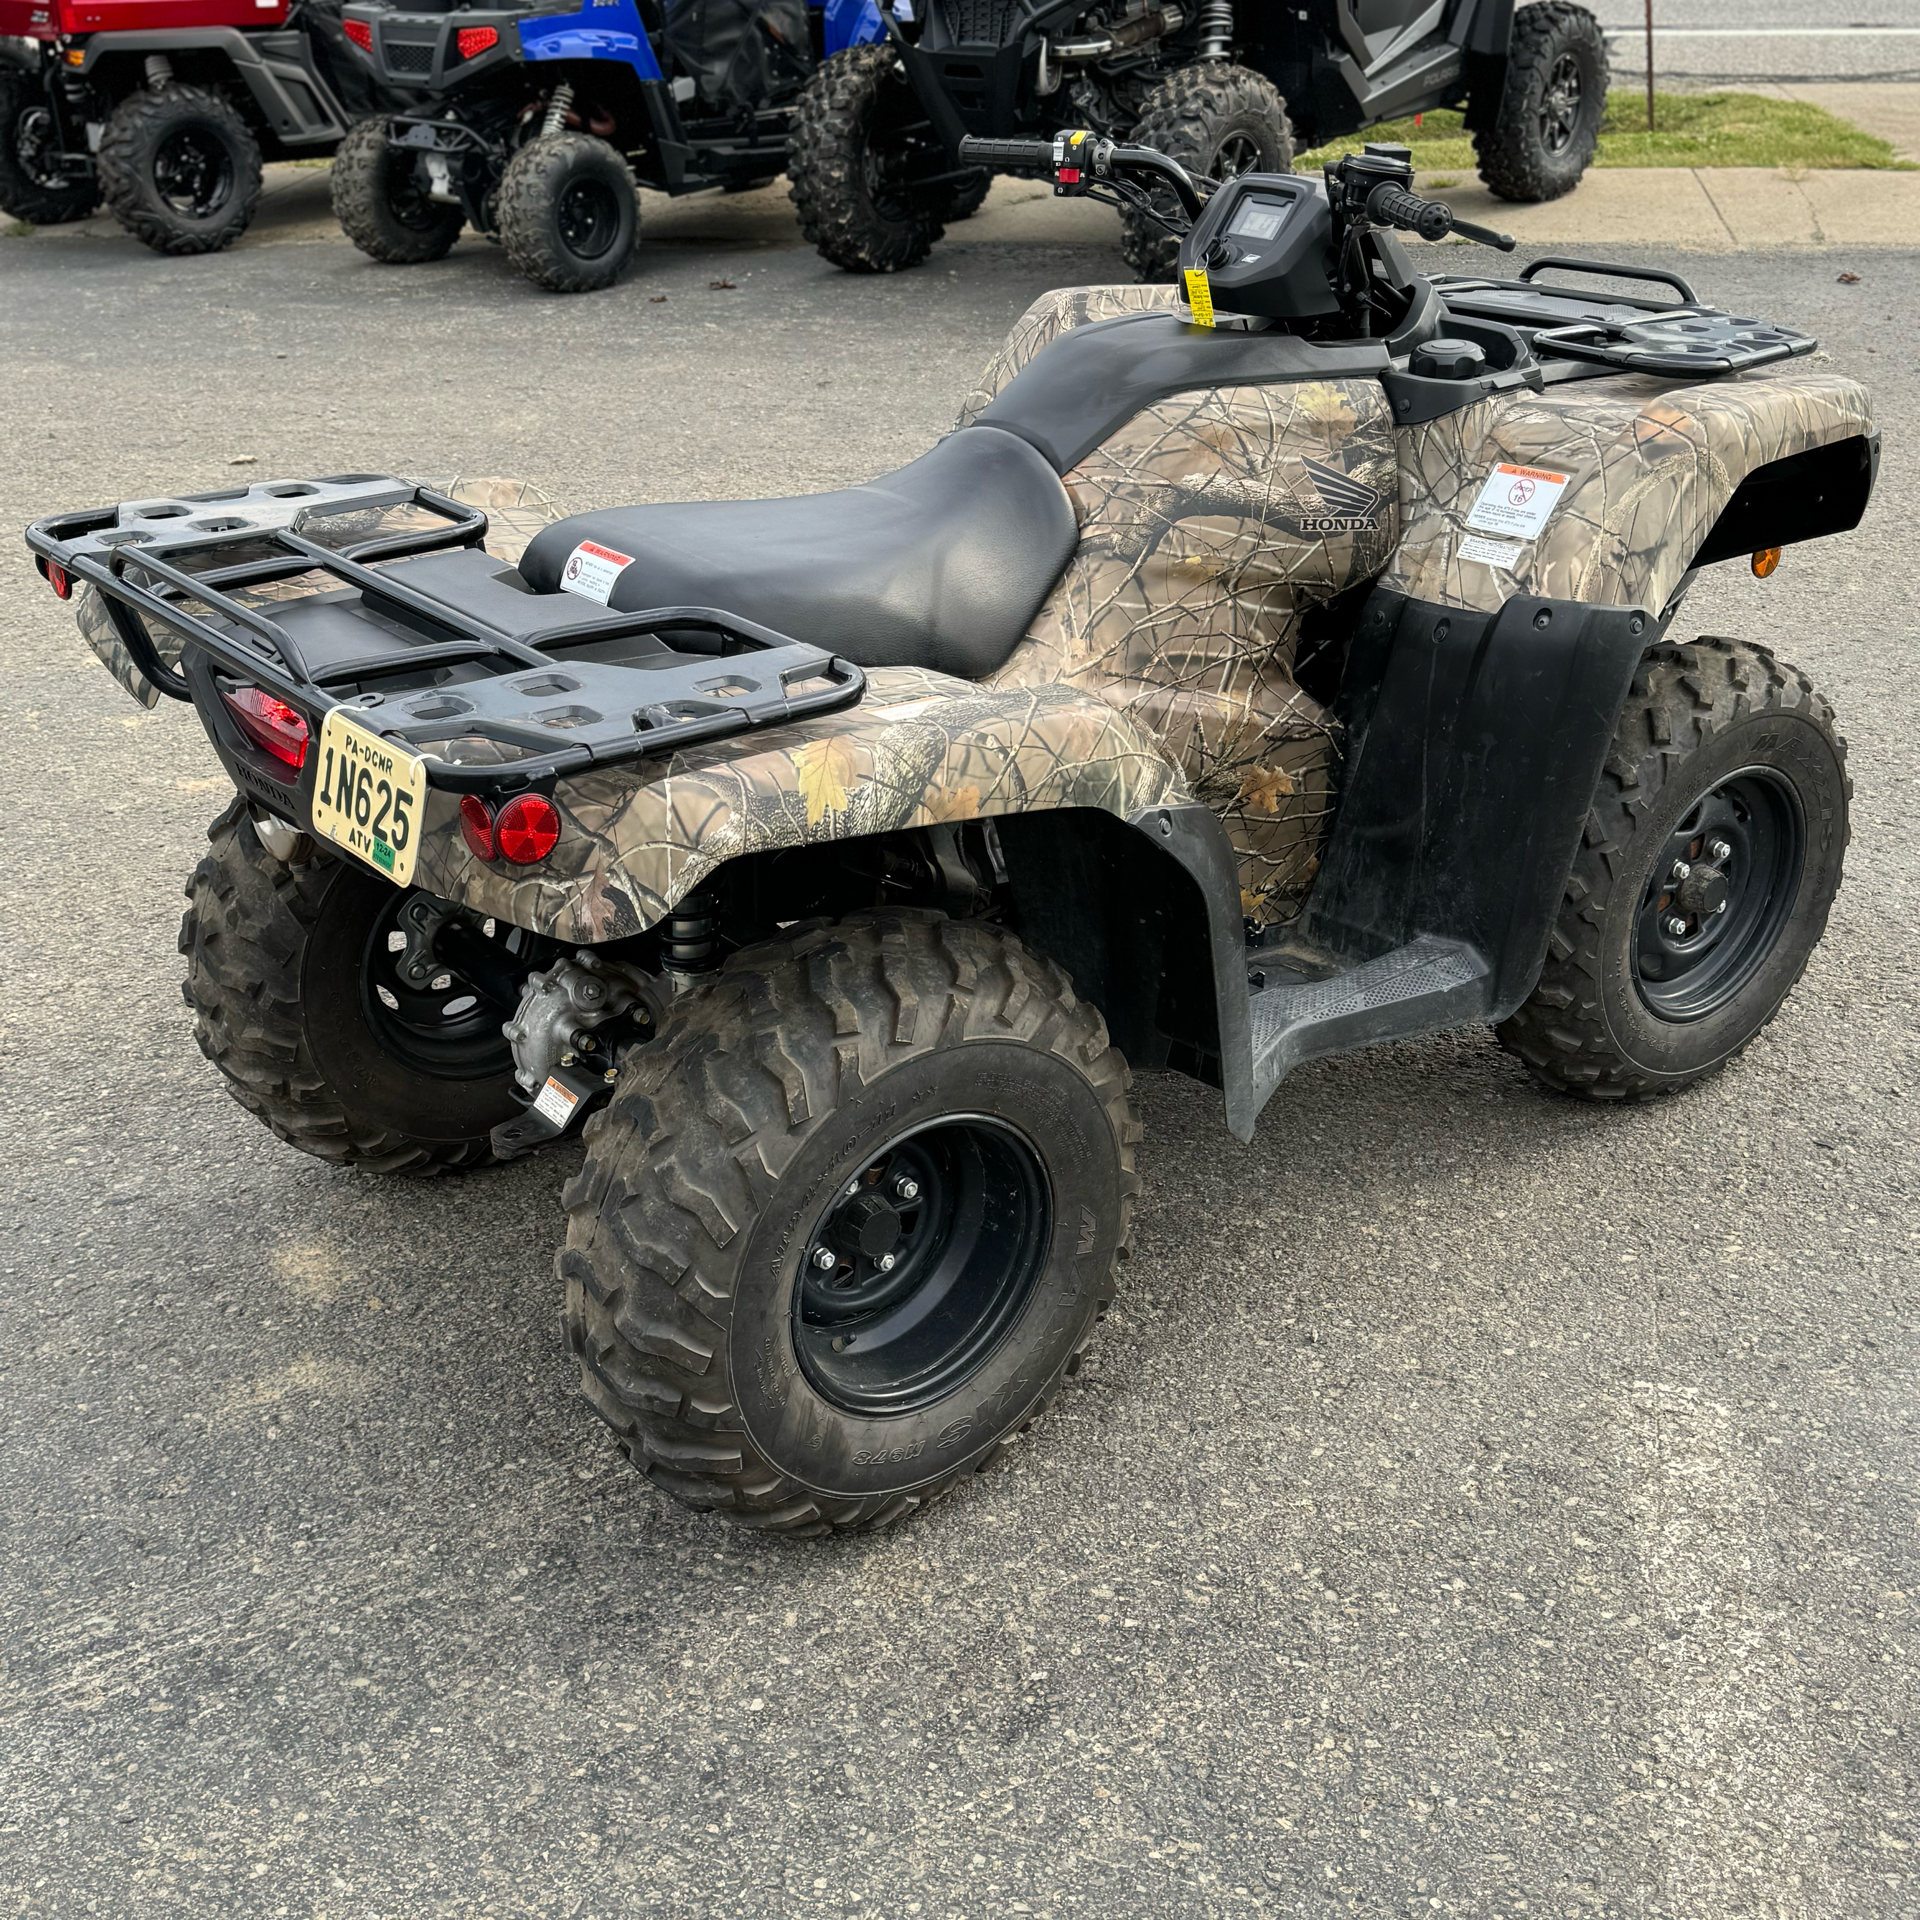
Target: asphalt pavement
{"x":1706,"y":42}
{"x":1477,"y":1504}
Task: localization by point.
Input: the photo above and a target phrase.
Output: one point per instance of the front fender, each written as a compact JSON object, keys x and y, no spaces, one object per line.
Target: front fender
{"x":1650,"y":468}
{"x":921,"y":749}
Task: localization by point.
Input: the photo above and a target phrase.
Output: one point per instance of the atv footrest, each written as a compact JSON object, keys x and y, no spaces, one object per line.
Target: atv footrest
{"x":1427,"y":984}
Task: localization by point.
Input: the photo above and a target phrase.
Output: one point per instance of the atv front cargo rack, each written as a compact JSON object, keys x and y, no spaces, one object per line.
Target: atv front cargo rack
{"x":440,"y":642}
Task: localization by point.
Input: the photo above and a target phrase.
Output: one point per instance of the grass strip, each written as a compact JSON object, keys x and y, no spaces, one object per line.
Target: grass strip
{"x":1689,"y":130}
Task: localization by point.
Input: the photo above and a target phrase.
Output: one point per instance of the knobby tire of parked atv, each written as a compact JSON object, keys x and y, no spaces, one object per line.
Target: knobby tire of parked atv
{"x":900,"y":1089}
{"x":1217,"y":121}
{"x":381,"y":205}
{"x":1538,"y":141}
{"x":851,"y":158}
{"x":1669,"y":957}
{"x":33,"y":185}
{"x":284,"y":963}
{"x":179,"y":169}
{"x":569,"y":215}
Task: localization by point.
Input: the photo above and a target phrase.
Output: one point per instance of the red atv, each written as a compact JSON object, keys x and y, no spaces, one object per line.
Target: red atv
{"x":165,"y":109}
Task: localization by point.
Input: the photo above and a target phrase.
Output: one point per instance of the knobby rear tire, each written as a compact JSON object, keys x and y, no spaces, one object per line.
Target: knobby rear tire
{"x":688,"y":1225}
{"x":136,"y":131}
{"x":380,"y":205}
{"x":273,"y":962}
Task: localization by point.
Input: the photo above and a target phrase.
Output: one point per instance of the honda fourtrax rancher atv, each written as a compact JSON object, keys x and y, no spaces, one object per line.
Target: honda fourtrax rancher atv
{"x":1223,"y":90}
{"x":166,"y":108}
{"x":1255,"y":674}
{"x":538,"y":118}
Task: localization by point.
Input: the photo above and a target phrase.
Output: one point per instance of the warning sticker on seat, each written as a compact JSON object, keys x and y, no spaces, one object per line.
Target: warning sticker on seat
{"x":1516,"y":501}
{"x":591,"y":571}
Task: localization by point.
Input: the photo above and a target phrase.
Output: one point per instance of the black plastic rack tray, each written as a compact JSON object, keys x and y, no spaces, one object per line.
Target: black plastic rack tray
{"x":486,"y":657}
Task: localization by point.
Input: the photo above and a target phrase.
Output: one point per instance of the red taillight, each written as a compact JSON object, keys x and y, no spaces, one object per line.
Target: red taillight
{"x":476,"y":40}
{"x":59,"y":580}
{"x":476,"y":826}
{"x":270,"y":724}
{"x":528,"y":828}
{"x":360,"y":33}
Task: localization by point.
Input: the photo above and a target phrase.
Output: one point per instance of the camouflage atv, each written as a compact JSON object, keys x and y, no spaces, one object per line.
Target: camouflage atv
{"x":1261,"y":670}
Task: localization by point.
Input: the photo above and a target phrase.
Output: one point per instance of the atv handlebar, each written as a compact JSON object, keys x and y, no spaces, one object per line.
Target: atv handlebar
{"x":1391,"y":206}
{"x":1077,"y":160}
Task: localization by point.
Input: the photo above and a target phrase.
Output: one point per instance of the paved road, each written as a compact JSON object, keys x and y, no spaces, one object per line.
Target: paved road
{"x":1747,"y":40}
{"x":1478,"y":1504}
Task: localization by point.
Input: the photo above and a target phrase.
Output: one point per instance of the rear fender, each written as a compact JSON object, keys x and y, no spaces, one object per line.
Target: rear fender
{"x":921,"y":750}
{"x":271,"y":71}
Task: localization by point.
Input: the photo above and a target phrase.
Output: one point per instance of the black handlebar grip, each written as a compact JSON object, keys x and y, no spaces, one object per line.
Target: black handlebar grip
{"x":1394,"y":207}
{"x":1006,"y":153}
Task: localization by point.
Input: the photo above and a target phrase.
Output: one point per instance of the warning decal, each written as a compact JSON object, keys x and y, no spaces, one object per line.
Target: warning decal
{"x":1516,"y":501}
{"x":1490,"y":553}
{"x":591,"y":571}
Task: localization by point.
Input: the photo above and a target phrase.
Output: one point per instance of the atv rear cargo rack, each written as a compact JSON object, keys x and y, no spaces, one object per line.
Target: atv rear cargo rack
{"x":560,"y":683}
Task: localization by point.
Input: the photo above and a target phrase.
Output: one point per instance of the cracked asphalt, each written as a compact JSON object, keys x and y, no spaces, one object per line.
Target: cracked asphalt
{"x":1477,"y":1503}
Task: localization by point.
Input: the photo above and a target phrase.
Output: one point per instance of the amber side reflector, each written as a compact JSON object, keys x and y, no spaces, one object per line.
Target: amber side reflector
{"x":1765,"y":561}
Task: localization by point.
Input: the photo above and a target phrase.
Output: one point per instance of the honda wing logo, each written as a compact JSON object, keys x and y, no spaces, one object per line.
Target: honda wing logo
{"x":1346,"y":505}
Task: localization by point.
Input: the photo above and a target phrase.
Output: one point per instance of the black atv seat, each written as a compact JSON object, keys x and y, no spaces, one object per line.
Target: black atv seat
{"x":942,"y":564}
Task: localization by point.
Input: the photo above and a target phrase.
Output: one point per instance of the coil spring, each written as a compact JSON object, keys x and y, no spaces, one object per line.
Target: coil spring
{"x":691,"y":944}
{"x":557,"y":110}
{"x":1216,"y":29}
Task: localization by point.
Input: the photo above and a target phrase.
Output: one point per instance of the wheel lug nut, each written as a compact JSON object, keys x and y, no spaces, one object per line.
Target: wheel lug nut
{"x":823,"y":1258}
{"x":906,"y":1189}
{"x":1680,"y":870}
{"x":1675,"y":925}
{"x":1720,"y":850}
{"x":886,"y":1263}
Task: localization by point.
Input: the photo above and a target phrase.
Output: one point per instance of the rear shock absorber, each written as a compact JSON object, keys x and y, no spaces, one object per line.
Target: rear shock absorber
{"x":558,"y":107}
{"x":691,"y":948}
{"x":1216,"y":29}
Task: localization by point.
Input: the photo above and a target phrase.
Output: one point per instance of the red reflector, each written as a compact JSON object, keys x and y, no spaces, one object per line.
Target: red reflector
{"x":476,"y":40}
{"x":528,"y":828}
{"x":57,"y":579}
{"x":270,"y":723}
{"x":476,"y":826}
{"x":360,"y":33}
{"x":1069,"y":176}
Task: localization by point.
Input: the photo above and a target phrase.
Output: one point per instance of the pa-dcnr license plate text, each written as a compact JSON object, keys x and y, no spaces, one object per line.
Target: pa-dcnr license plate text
{"x":369,"y":796}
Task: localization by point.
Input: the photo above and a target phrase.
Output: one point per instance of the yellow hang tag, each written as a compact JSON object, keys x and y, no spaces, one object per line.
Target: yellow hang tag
{"x":1199,"y":296}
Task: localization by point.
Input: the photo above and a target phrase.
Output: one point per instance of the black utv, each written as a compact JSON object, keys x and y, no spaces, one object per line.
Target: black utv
{"x":1224,"y":90}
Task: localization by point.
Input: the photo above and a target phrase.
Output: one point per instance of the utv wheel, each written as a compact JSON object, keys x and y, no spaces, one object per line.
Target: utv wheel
{"x":1216,"y":120}
{"x":382,"y":204}
{"x":569,"y":215}
{"x":179,"y":169}
{"x":962,"y":202}
{"x":1539,"y":137}
{"x":860,"y":141}
{"x":849,"y":1221}
{"x":34,"y":186}
{"x":1711,"y":857}
{"x":297,"y":999}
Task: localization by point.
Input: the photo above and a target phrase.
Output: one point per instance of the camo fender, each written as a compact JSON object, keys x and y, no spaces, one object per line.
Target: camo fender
{"x":920,"y":750}
{"x":1648,"y":467}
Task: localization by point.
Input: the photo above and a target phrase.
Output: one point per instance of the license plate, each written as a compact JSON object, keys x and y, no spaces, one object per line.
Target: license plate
{"x":370,"y":797}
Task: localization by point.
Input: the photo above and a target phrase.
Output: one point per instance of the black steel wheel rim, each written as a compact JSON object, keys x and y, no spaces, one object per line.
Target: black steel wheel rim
{"x":35,"y":149}
{"x":193,"y":172}
{"x":1238,"y":153}
{"x":921,"y":1265}
{"x":588,"y":217}
{"x":413,"y":205}
{"x":1719,"y":895}
{"x":1560,"y":104}
{"x":447,"y":1025}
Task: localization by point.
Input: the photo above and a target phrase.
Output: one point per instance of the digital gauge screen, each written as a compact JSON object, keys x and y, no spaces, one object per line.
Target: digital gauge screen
{"x":1259,"y":219}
